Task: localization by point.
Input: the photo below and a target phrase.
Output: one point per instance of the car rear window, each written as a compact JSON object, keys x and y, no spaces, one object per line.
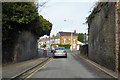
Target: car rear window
{"x":60,"y":48}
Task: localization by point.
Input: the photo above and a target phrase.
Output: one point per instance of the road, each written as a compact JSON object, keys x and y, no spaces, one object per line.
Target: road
{"x":70,"y":67}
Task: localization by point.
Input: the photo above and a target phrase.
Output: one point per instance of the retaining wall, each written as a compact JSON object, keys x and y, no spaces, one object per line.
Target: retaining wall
{"x":26,"y":47}
{"x":84,"y":50}
{"x":102,"y":35}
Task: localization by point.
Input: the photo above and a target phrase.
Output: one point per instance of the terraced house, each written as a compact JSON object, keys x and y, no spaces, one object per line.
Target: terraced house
{"x":61,"y":38}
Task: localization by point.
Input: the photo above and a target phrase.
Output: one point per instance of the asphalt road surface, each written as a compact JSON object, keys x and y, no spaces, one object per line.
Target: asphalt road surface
{"x":70,"y":67}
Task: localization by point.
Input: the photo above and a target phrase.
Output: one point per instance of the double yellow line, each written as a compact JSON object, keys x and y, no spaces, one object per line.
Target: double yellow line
{"x":34,"y":71}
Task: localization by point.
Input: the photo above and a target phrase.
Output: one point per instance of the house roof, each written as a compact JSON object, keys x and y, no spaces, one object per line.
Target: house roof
{"x":67,"y":34}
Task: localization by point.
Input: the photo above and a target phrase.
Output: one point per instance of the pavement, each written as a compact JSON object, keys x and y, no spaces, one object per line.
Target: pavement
{"x":70,"y":67}
{"x":12,"y":70}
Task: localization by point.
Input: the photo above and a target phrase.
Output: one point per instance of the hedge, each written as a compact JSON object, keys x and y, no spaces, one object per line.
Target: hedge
{"x":67,"y":46}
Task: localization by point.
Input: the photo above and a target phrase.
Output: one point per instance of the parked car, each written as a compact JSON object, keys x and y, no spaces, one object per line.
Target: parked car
{"x":60,"y":51}
{"x":53,"y":48}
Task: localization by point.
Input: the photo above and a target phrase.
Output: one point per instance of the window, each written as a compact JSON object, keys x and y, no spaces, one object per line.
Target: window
{"x":74,"y":41}
{"x":60,"y":48}
{"x":55,"y":41}
{"x":47,"y":42}
{"x":58,"y":41}
{"x":74,"y":46}
{"x":64,"y":40}
{"x":51,"y":41}
{"x":69,"y":41}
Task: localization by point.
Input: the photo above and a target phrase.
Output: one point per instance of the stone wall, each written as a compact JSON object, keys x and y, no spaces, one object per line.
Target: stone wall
{"x":119,"y":33}
{"x":84,"y":50}
{"x":102,"y":35}
{"x":26,"y":47}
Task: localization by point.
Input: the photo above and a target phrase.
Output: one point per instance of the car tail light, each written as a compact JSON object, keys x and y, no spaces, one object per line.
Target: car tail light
{"x":64,"y":51}
{"x":55,"y":51}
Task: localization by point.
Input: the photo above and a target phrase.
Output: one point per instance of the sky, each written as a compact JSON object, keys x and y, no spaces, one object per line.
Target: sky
{"x":67,"y":15}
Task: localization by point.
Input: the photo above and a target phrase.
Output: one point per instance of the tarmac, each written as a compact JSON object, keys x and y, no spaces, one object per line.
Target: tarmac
{"x":102,"y":68}
{"x":10,"y":71}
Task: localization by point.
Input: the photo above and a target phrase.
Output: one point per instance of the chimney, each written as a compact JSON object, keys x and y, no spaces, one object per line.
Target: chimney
{"x":53,"y":36}
{"x":75,"y":31}
{"x":57,"y":34}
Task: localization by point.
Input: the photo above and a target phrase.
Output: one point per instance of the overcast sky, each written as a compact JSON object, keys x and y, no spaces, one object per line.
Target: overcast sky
{"x":67,"y":16}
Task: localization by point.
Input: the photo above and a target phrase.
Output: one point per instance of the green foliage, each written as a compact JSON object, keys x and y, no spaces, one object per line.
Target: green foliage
{"x":19,"y":12}
{"x":67,"y":46}
{"x":42,"y":27}
{"x":44,"y":45}
{"x":18,"y":17}
{"x":81,"y":37}
{"x":54,"y":44}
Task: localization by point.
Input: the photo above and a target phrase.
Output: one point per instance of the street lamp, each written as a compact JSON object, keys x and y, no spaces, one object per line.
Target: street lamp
{"x":71,"y":36}
{"x":71,"y":41}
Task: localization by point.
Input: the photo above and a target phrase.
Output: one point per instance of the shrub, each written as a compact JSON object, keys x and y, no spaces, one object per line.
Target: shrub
{"x":67,"y":46}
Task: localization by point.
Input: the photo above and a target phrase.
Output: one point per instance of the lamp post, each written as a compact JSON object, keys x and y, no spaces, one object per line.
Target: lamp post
{"x":71,"y":36}
{"x":71,"y":41}
{"x":49,"y":42}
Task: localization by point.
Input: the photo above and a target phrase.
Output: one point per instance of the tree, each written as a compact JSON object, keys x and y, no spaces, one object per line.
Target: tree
{"x":16,"y":18}
{"x":81,"y":37}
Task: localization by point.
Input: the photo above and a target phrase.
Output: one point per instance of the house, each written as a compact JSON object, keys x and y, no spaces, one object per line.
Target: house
{"x":69,"y":38}
{"x":44,"y":41}
{"x":63,"y":38}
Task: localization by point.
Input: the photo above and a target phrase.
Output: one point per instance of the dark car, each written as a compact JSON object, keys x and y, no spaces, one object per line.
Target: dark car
{"x":60,"y":51}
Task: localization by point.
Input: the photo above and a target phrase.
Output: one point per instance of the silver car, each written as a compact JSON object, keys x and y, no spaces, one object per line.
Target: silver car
{"x":60,"y":51}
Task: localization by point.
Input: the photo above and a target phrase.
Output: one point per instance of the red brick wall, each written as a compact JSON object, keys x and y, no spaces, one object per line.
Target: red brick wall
{"x":67,"y":40}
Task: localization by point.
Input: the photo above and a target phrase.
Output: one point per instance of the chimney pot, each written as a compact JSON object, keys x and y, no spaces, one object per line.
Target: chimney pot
{"x":75,"y":31}
{"x":53,"y":35}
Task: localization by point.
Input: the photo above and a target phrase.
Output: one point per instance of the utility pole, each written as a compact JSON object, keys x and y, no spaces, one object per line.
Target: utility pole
{"x":71,"y":41}
{"x":117,"y":35}
{"x":50,"y":42}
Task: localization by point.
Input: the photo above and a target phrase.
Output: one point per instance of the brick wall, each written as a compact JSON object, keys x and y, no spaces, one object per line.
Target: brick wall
{"x":67,"y":40}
